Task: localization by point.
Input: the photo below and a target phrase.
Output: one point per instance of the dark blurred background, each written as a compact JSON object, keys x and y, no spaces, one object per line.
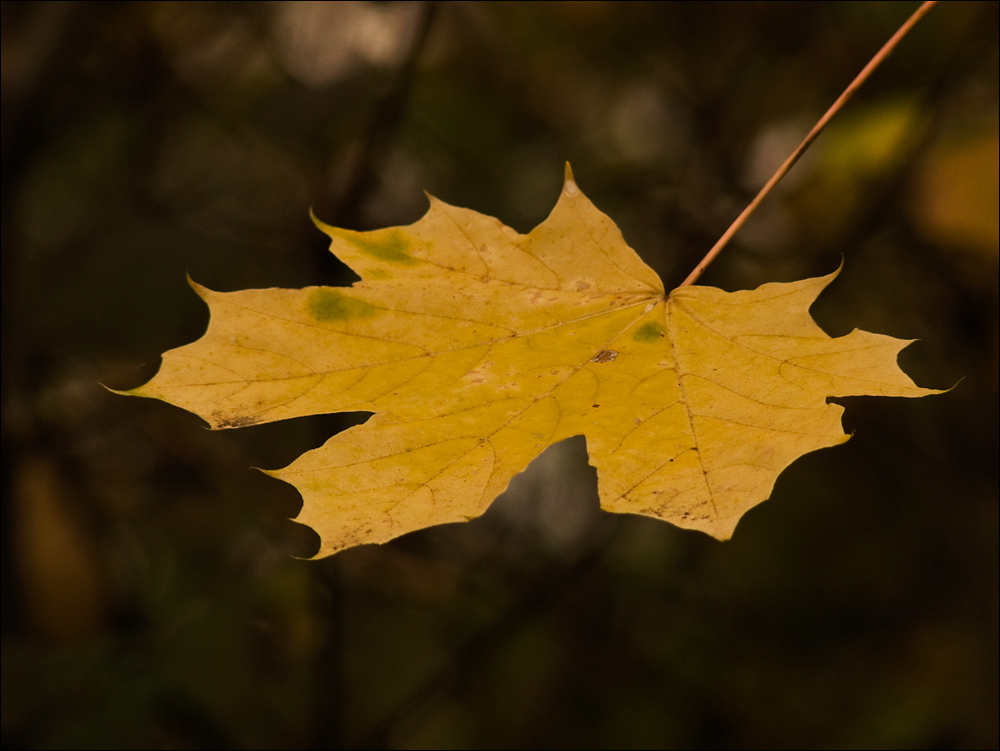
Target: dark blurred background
{"x":151,"y":592}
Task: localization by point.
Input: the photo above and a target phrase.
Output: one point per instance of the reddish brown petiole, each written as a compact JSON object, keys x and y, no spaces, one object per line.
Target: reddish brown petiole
{"x":881,"y":55}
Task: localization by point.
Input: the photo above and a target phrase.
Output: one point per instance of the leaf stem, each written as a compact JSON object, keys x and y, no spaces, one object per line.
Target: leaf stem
{"x":881,"y":55}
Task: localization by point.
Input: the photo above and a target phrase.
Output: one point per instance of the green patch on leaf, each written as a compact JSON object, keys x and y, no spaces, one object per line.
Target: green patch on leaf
{"x":326,"y":304}
{"x":649,"y":332}
{"x":391,"y":246}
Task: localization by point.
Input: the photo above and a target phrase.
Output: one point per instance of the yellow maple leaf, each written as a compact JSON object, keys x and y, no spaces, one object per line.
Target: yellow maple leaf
{"x":477,"y":347}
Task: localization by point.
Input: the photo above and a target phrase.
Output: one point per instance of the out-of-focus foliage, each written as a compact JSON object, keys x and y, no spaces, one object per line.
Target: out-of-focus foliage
{"x":148,"y":595}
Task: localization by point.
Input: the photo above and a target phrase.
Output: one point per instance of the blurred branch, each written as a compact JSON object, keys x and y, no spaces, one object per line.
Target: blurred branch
{"x":386,"y":118}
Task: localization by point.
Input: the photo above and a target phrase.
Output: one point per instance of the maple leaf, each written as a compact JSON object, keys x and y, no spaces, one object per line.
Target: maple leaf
{"x":477,"y":347}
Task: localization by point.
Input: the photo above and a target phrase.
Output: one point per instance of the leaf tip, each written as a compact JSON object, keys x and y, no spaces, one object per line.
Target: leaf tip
{"x":569,"y":184}
{"x":322,"y":226}
{"x":120,"y":392}
{"x":199,"y":289}
{"x":827,"y":279}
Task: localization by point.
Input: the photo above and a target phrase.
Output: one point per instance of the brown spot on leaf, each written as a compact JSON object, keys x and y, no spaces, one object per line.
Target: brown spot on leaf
{"x":243,"y":421}
{"x":605,"y":355}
